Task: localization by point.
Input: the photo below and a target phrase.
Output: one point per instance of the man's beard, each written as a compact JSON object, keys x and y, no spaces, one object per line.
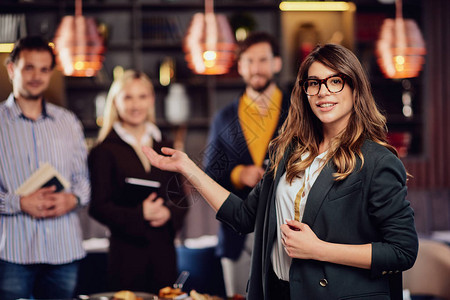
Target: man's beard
{"x":33,"y":97}
{"x":262,"y":88}
{"x":29,"y":96}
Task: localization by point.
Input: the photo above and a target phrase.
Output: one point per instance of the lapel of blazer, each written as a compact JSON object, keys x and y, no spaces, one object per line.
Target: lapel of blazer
{"x":270,"y":215}
{"x":318,"y":192}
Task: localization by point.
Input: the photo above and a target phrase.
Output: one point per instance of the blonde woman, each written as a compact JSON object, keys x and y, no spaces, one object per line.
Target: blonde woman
{"x":143,"y":222}
{"x":330,"y":216}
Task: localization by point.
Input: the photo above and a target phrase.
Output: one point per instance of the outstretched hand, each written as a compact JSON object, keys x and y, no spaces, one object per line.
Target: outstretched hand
{"x":177,"y":161}
{"x":174,"y":161}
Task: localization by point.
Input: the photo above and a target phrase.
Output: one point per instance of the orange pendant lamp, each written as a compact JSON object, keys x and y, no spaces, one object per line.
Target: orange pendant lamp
{"x":79,"y":47}
{"x":400,"y":48}
{"x":209,"y":43}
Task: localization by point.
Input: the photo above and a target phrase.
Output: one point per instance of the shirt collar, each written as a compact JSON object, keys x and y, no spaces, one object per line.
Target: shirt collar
{"x":16,"y":113}
{"x":275,"y":98}
{"x":321,"y":156}
{"x":273,"y":105}
{"x":151,"y":131}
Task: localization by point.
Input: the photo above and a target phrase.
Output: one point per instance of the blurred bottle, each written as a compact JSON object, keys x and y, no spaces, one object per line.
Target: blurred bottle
{"x":177,"y":104}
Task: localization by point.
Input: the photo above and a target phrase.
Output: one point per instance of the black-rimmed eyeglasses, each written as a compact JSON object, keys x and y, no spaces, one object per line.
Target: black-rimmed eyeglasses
{"x":334,"y":84}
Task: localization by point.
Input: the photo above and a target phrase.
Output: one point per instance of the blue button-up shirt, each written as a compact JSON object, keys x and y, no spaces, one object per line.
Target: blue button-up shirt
{"x":55,"y":137}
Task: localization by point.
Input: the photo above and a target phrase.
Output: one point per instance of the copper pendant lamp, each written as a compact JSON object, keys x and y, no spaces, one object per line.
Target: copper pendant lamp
{"x":79,"y":47}
{"x":400,"y":48}
{"x":209,"y":43}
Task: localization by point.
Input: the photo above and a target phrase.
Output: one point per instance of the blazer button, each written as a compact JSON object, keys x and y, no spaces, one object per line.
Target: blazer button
{"x":323,"y":282}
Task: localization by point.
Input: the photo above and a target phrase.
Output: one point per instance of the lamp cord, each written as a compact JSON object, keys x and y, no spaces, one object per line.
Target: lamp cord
{"x":78,"y":8}
{"x":398,"y":9}
{"x":209,"y":6}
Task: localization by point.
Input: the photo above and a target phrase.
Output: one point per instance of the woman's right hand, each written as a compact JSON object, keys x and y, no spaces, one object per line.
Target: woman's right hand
{"x":174,"y":161}
{"x":177,"y":161}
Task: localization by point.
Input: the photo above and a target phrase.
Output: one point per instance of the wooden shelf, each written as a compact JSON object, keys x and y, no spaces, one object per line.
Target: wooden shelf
{"x":139,"y":38}
{"x":235,"y":5}
{"x":87,"y":83}
{"x":148,"y":45}
{"x":193,"y":123}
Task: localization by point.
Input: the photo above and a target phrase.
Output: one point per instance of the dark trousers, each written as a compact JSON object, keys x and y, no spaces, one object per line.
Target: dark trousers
{"x":278,"y":289}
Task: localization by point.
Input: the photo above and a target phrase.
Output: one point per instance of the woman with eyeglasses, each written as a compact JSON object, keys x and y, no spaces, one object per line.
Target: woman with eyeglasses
{"x":330,"y":216}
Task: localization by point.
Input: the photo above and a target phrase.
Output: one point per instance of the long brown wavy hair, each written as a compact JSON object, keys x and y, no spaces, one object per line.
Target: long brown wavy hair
{"x":302,"y":131}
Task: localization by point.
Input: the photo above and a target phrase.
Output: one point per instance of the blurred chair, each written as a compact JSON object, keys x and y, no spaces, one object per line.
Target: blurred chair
{"x":430,"y":275}
{"x":204,"y":267}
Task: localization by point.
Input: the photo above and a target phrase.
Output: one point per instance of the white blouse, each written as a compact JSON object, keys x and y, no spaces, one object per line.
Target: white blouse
{"x":285,"y":209}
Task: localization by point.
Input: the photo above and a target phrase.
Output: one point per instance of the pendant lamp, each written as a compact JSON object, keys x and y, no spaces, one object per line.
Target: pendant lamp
{"x":400,"y":48}
{"x":79,"y":47}
{"x":209,"y":43}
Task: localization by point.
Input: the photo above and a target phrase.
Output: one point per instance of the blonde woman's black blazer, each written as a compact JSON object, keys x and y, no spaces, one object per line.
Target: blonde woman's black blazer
{"x":369,"y":206}
{"x":135,"y":247}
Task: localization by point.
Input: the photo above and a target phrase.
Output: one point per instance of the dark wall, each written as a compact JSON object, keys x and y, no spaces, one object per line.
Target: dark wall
{"x":430,"y":186}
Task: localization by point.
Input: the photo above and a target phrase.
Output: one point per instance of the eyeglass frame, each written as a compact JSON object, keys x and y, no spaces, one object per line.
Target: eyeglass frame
{"x":324,"y":81}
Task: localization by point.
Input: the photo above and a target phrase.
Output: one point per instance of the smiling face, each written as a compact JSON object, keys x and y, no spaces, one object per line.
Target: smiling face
{"x":332,"y":109}
{"x":31,"y":74}
{"x":257,"y":66}
{"x":133,"y":103}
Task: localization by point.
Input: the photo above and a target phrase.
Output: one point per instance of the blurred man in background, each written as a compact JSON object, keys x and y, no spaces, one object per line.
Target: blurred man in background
{"x":238,"y":143}
{"x":40,"y":234}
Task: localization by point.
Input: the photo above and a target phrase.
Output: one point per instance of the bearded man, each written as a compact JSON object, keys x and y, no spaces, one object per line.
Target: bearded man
{"x":238,"y":142}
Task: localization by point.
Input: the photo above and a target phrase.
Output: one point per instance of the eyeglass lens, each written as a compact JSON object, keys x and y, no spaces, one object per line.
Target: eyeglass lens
{"x":334,"y":84}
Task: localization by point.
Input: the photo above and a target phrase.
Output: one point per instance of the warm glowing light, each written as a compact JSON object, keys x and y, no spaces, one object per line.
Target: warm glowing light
{"x":209,"y":55}
{"x":407,"y":111}
{"x":78,"y":45}
{"x":317,"y":6}
{"x":209,"y":58}
{"x":209,"y":43}
{"x":400,"y":60}
{"x":241,"y":33}
{"x":166,"y":71}
{"x":6,"y":47}
{"x":400,"y":48}
{"x":79,"y":65}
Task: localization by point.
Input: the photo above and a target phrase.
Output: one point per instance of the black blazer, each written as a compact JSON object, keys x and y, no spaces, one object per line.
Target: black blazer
{"x":143,"y":256}
{"x":369,"y":206}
